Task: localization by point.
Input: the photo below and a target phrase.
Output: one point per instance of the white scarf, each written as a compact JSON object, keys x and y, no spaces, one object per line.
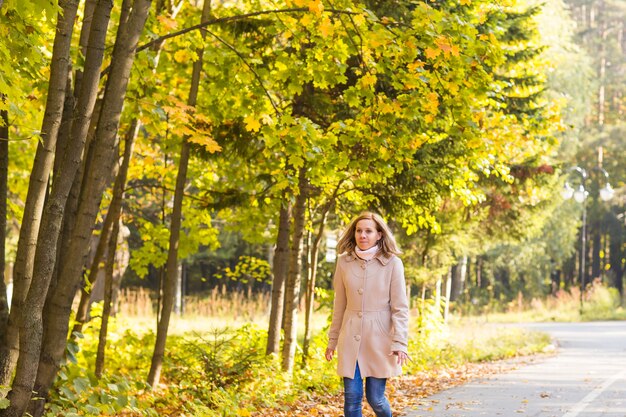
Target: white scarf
{"x":366,"y":254}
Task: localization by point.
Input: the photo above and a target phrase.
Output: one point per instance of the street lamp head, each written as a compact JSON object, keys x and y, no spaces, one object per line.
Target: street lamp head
{"x":606,"y":193}
{"x":580,"y":194}
{"x":567,"y":192}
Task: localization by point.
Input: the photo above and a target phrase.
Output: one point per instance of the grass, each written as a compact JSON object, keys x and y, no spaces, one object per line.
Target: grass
{"x":488,"y":342}
{"x":598,"y":303}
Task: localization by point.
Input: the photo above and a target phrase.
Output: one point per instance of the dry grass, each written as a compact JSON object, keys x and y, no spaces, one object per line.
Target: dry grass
{"x":216,"y":310}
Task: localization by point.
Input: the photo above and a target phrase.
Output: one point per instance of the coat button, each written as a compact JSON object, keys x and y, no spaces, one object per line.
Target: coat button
{"x":363,"y":266}
{"x":360,"y":291}
{"x":357,"y":338}
{"x":360,"y":314}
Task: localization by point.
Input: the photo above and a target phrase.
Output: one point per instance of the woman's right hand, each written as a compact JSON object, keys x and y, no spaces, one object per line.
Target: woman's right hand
{"x":329,"y":354}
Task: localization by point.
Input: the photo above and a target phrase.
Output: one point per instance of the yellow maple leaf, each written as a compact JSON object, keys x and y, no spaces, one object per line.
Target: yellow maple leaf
{"x":306,"y":20}
{"x":386,"y":108}
{"x":368,"y":80}
{"x":359,"y":20}
{"x":316,"y":7}
{"x":415,"y":65}
{"x":453,"y":88}
{"x":207,"y":141}
{"x":167,"y":22}
{"x":444,"y":47}
{"x":326,"y":27}
{"x":252,"y":123}
{"x":432,"y":53}
{"x":181,"y":56}
{"x":411,"y":84}
{"x":433,"y":102}
{"x":186,"y":130}
{"x":466,"y":2}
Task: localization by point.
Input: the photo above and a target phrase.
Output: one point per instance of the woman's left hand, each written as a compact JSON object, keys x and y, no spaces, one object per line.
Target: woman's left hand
{"x":403,"y":357}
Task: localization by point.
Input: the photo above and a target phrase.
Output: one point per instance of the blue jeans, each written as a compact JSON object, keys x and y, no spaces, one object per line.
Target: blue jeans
{"x":374,"y":391}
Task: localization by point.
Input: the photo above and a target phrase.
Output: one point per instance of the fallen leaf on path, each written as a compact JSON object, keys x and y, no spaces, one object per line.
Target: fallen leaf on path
{"x":407,"y":391}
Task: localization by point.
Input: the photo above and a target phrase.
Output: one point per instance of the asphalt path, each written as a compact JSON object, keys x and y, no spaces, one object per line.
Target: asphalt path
{"x":585,"y":378}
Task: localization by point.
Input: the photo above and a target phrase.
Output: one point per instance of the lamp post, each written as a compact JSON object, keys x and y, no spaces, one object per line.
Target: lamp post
{"x":580,"y":195}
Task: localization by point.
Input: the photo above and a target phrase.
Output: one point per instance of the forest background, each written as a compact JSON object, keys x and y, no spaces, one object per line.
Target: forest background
{"x":190,"y":159}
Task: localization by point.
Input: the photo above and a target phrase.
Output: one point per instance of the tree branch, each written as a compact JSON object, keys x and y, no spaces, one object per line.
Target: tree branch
{"x":256,"y":75}
{"x":235,"y":18}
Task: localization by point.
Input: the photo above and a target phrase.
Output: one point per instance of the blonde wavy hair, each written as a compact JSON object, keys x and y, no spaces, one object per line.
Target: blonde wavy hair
{"x":386,"y":244}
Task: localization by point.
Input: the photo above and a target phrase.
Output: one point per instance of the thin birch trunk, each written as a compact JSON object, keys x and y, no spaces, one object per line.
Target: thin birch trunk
{"x":281,"y":268}
{"x":105,"y":146}
{"x":171,"y":277}
{"x":438,"y":295}
{"x":446,"y":310}
{"x":292,"y":286}
{"x":312,"y":276}
{"x":71,"y":98}
{"x":108,"y":295}
{"x":4,"y":176}
{"x":35,"y":198}
{"x":603,"y":62}
{"x":83,"y":40}
{"x":112,"y":217}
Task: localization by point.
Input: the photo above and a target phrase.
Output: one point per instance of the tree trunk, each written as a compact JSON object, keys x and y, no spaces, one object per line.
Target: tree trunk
{"x":112,"y":218}
{"x":4,"y":176}
{"x":70,"y":213}
{"x":281,"y":268}
{"x":438,"y":284}
{"x":292,"y":285}
{"x":310,"y":290}
{"x":446,"y":310}
{"x":171,"y":277}
{"x":458,"y":278}
{"x":83,"y":41}
{"x":480,"y":282}
{"x":108,"y":291}
{"x":71,"y":205}
{"x":29,"y":229}
{"x":311,"y":278}
{"x":96,"y":179}
{"x":603,"y":63}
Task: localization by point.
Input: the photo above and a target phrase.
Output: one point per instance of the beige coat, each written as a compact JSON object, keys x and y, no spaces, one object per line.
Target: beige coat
{"x":370,"y":315}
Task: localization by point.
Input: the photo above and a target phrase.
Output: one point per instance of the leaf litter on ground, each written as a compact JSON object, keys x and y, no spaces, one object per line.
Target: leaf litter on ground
{"x":403,"y":392}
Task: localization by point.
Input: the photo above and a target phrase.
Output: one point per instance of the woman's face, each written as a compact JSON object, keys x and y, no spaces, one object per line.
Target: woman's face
{"x":366,"y":234}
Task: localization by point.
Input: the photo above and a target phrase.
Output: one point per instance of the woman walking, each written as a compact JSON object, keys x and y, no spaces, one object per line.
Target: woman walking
{"x":370,"y":314}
